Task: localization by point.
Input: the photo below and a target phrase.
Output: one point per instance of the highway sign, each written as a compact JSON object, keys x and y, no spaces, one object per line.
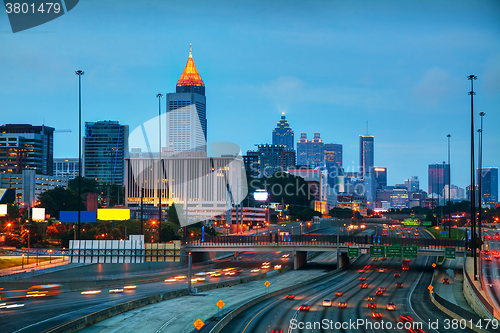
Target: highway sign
{"x":394,"y":251}
{"x":198,"y":323}
{"x":267,"y":284}
{"x":430,"y":287}
{"x":427,"y":223}
{"x":353,"y":252}
{"x":220,"y":304}
{"x":364,"y":251}
{"x":434,"y":265}
{"x":449,"y":252}
{"x":410,"y":251}
{"x":377,"y":251}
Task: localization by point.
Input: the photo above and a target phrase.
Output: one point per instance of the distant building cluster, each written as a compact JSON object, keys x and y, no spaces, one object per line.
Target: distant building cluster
{"x":28,"y":165}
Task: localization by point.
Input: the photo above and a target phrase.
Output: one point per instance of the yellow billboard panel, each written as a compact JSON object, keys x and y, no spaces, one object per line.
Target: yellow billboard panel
{"x":114,"y":214}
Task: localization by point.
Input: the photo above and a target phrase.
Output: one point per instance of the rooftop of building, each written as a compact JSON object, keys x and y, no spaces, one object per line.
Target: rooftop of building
{"x":190,"y":75}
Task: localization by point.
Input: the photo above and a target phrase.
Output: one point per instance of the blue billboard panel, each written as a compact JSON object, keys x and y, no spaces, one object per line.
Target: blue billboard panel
{"x":71,"y":216}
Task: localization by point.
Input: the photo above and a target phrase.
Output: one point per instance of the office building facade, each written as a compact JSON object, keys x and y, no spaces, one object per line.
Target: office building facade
{"x":273,"y":158}
{"x":105,"y":147}
{"x":66,"y":168}
{"x":412,"y":184}
{"x":438,"y":177}
{"x":310,"y":152}
{"x":379,"y":177}
{"x":186,"y":118}
{"x":25,"y":146}
{"x":489,"y":186}
{"x":366,"y":154}
{"x":283,"y":134}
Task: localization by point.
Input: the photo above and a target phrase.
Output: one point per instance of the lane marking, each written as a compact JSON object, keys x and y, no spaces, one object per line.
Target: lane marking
{"x":166,"y":324}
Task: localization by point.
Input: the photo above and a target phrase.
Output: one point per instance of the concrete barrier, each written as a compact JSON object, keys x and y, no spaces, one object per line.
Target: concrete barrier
{"x":454,"y":315}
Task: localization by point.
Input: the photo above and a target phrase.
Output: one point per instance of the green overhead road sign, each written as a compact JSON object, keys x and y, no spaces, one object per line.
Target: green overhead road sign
{"x":394,"y":251}
{"x":377,"y":251}
{"x":410,"y":251}
{"x":352,"y":252}
{"x":427,"y":223}
{"x":449,"y":252}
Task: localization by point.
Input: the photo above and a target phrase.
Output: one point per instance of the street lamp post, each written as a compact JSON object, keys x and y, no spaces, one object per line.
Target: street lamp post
{"x":449,"y":186}
{"x":159,"y":166}
{"x":480,"y":175}
{"x":444,"y":196}
{"x":79,"y":73}
{"x":50,"y":256}
{"x":22,"y":261}
{"x":471,"y":78}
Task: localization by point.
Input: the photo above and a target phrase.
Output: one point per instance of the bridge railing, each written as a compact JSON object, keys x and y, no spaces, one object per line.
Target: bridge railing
{"x":328,"y":240}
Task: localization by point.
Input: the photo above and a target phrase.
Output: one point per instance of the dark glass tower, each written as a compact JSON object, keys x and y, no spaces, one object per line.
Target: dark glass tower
{"x":283,"y":133}
{"x":438,"y":177}
{"x":366,"y":158}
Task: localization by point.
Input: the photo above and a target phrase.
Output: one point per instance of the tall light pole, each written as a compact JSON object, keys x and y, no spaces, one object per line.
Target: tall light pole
{"x":472,"y":176}
{"x":159,"y":166}
{"x":79,"y":73}
{"x":449,"y":187}
{"x":444,"y":197}
{"x":480,"y":175}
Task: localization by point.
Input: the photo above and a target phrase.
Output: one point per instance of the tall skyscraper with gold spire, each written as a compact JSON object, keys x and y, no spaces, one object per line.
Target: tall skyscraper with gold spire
{"x":186,"y":111}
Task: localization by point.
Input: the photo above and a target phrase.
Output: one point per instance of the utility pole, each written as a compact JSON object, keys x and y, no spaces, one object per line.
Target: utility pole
{"x":79,"y":73}
{"x":449,"y":186}
{"x":159,"y":166}
{"x":480,"y":177}
{"x":471,"y":78}
{"x":142,"y":211}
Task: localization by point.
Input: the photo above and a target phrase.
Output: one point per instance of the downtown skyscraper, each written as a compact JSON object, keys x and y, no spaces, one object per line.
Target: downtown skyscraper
{"x":283,"y":133}
{"x":438,"y":177}
{"x":489,"y":186}
{"x":310,"y":152}
{"x":366,"y":154}
{"x":186,"y":112}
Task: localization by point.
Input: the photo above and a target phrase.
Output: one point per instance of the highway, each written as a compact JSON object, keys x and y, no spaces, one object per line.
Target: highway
{"x":491,"y":269}
{"x":277,"y":313}
{"x":38,"y":315}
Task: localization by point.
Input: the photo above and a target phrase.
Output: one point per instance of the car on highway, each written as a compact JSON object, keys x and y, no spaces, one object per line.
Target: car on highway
{"x":290,"y":297}
{"x":374,"y":259}
{"x":383,"y":289}
{"x":384,"y":258}
{"x":390,"y":306}
{"x":361,"y":270}
{"x":339,"y":293}
{"x":487,"y":258}
{"x":405,"y":319}
{"x":399,"y":285}
{"x":372,"y":305}
{"x":255,"y":270}
{"x":304,"y":307}
{"x":381,"y":270}
{"x":415,"y":330}
{"x":376,"y":315}
{"x":327,"y":302}
{"x":363,"y":278}
{"x":397,"y":275}
{"x":371,"y":298}
{"x":379,"y":293}
{"x":342,"y":305}
{"x":364,"y":285}
{"x":446,"y":281}
{"x":277,"y":330}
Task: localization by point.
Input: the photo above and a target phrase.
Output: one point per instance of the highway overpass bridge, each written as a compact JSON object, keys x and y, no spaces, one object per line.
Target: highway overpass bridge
{"x":301,"y":244}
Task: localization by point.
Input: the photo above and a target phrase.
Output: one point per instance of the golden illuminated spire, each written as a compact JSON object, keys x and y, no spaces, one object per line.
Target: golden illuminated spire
{"x":190,"y":76}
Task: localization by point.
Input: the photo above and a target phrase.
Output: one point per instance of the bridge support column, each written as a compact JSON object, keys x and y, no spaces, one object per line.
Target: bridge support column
{"x":299,"y":259}
{"x":343,"y":260}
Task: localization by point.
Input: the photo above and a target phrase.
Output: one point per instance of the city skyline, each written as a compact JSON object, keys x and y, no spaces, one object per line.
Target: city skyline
{"x":423,"y":67}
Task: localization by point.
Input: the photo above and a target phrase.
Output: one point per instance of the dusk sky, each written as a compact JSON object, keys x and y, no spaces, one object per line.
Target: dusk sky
{"x":332,"y":66}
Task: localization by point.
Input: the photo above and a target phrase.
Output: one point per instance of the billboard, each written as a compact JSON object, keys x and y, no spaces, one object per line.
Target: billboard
{"x":71,"y":216}
{"x":38,"y":214}
{"x":7,"y":195}
{"x":113,"y":214}
{"x":260,"y":195}
{"x":3,"y":210}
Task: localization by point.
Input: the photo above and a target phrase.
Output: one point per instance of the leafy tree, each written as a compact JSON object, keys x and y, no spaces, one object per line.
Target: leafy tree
{"x":172,"y":216}
{"x":306,"y":214}
{"x":58,"y":199}
{"x":88,"y":185}
{"x":341,"y":213}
